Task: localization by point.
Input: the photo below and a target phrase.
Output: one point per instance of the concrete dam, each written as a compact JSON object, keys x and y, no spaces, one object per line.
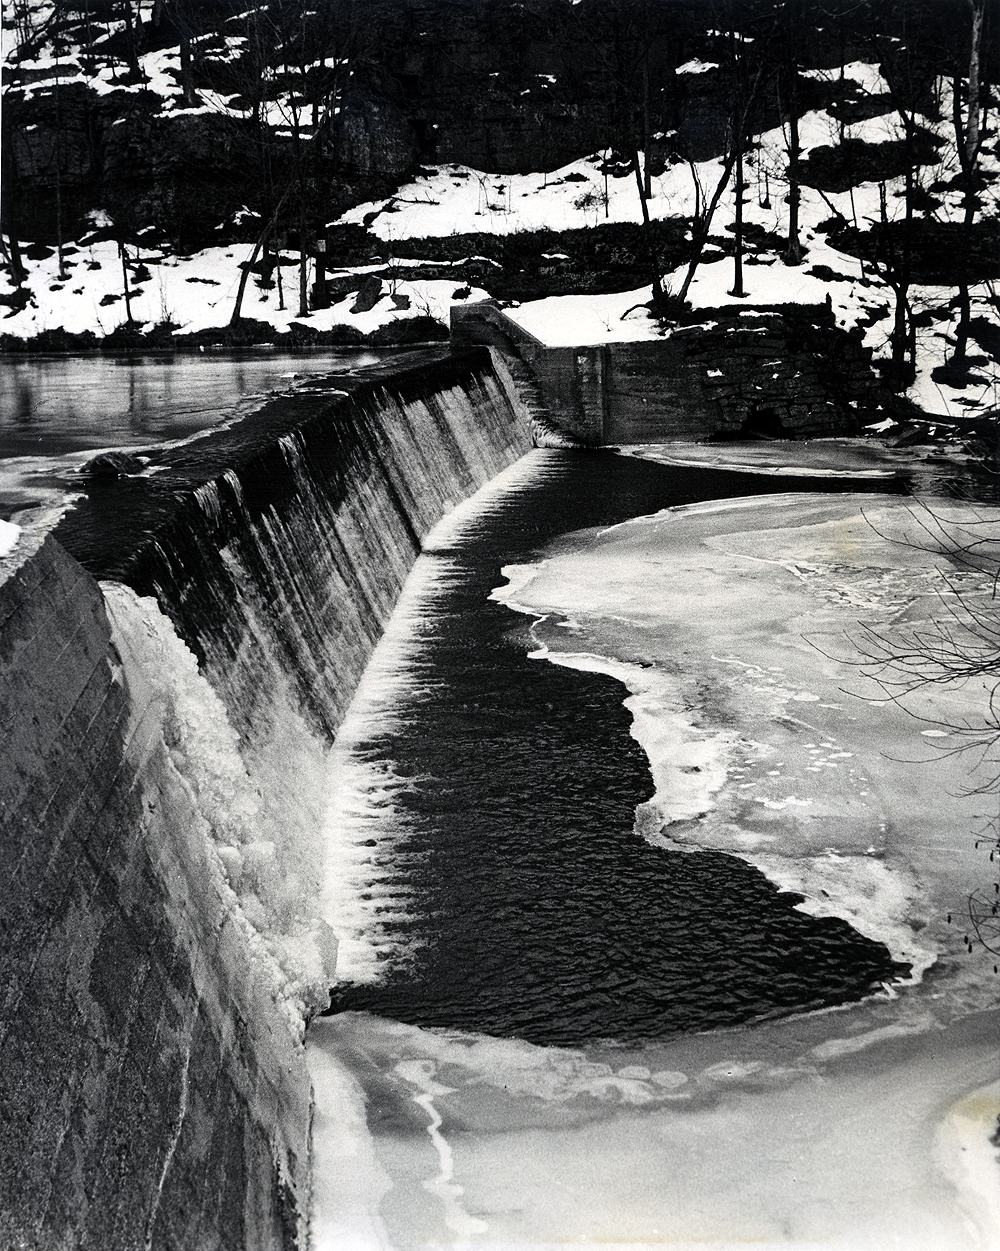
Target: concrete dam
{"x":177,"y":655}
{"x":181,"y":645}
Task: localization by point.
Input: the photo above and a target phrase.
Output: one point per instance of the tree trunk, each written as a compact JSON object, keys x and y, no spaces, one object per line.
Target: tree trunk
{"x":738,"y":290}
{"x":738,"y":131}
{"x":58,"y":154}
{"x":303,"y":259}
{"x":647,"y":227}
{"x":131,"y":50}
{"x":18,"y":273}
{"x":245,"y":274}
{"x":125,"y":286}
{"x":968,"y":138}
{"x":188,"y":93}
{"x":699,"y":235}
{"x":972,"y":129}
{"x":962,"y":329}
{"x":647,"y":131}
{"x":62,"y":274}
{"x":793,"y":250}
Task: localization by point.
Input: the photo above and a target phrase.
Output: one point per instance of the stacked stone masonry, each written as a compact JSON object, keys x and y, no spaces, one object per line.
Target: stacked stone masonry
{"x":789,"y":372}
{"x":782,"y":372}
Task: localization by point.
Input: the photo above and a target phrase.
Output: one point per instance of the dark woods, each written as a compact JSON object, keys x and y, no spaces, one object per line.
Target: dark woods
{"x":197,"y":122}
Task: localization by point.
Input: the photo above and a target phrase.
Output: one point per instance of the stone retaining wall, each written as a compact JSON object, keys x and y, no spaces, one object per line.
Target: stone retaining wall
{"x":787,"y":371}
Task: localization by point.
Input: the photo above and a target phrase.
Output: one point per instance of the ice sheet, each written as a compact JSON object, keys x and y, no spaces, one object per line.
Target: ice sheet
{"x":9,"y":534}
{"x":775,"y":1137}
{"x":766,"y":734}
{"x":819,"y":458}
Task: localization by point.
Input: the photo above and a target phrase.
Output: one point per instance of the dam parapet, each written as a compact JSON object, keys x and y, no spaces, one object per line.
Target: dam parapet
{"x":177,"y":655}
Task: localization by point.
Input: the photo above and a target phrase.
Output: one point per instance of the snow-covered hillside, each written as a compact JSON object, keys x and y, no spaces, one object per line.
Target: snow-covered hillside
{"x":109,"y":277}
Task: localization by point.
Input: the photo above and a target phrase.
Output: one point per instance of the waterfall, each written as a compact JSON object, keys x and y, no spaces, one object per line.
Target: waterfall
{"x":171,"y":708}
{"x":277,"y":549}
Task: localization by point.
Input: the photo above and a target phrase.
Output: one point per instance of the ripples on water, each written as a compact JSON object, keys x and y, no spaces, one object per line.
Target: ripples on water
{"x":533,"y":908}
{"x":57,"y":410}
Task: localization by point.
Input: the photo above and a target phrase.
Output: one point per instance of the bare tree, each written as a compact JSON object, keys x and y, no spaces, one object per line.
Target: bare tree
{"x":747,"y":70}
{"x":294,"y":73}
{"x":33,"y":29}
{"x":247,"y":266}
{"x":968,"y":143}
{"x":910,"y":79}
{"x":625,"y":35}
{"x":788,"y":105}
{"x":958,"y":646}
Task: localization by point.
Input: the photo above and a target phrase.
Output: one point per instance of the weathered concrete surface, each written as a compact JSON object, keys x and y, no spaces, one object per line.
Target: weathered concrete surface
{"x":153,"y":1090}
{"x":779,"y":371}
{"x":150,"y":1092}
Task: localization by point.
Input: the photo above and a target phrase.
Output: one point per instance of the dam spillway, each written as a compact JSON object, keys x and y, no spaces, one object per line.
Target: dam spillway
{"x":177,"y":656}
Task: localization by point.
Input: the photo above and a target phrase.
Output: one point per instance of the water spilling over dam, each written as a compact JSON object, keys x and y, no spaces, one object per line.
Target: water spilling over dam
{"x":164,"y":738}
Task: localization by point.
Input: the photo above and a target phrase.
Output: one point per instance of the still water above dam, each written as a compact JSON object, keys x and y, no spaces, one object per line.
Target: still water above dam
{"x":55,"y":411}
{"x":55,"y":404}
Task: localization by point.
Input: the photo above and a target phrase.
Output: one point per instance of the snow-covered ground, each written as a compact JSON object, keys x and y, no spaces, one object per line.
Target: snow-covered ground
{"x":863,"y":1128}
{"x":455,"y":199}
{"x":199,"y":291}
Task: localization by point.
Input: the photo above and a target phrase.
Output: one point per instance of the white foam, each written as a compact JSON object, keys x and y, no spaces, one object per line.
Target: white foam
{"x":9,"y":535}
{"x":359,"y":881}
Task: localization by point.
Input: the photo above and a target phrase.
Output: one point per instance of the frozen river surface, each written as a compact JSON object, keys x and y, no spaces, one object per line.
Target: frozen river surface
{"x":741,"y":632}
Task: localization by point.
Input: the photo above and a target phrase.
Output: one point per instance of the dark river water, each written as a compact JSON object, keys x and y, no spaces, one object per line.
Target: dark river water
{"x":534,"y":909}
{"x":51,"y":405}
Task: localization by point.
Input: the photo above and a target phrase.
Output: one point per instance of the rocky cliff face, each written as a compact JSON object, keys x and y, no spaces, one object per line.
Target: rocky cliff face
{"x":178,"y":125}
{"x":500,"y":87}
